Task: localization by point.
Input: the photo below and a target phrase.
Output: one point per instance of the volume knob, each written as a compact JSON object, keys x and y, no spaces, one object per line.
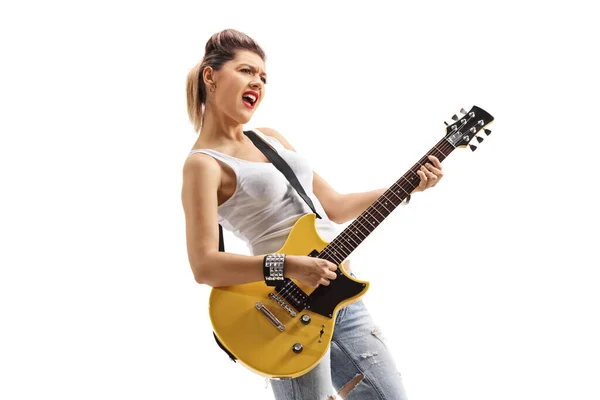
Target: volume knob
{"x":297,"y":348}
{"x":305,"y":319}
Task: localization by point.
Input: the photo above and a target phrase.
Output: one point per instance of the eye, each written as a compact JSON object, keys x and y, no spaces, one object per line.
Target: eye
{"x":249,"y":70}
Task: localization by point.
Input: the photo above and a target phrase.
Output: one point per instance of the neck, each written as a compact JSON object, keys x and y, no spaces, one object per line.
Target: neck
{"x":218,"y":128}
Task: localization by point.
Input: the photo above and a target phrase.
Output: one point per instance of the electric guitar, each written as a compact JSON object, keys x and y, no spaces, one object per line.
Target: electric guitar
{"x":284,"y":331}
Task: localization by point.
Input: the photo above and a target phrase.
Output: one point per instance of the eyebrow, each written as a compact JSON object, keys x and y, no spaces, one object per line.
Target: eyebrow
{"x":254,"y":68}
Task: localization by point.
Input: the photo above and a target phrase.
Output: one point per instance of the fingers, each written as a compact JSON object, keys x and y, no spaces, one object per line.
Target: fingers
{"x":428,"y":179}
{"x":423,"y":183}
{"x":328,"y":274}
{"x":430,"y":174}
{"x":331,"y":275}
{"x":436,"y":168}
{"x":436,"y":171}
{"x":436,"y":162}
{"x":330,"y":271}
{"x":427,"y":169}
{"x":326,"y":280}
{"x":431,"y":178}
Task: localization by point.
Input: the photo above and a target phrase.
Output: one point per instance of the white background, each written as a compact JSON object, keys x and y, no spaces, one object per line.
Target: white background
{"x":485,"y":286}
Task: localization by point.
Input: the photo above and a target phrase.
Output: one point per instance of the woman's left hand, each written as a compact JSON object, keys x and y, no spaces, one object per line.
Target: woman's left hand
{"x":430,"y":174}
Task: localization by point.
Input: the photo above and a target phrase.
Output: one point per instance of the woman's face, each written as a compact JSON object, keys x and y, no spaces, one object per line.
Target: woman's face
{"x":240,"y":86}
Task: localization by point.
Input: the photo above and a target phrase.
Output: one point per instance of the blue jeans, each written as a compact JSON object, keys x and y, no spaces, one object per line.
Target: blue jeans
{"x":357,"y":348}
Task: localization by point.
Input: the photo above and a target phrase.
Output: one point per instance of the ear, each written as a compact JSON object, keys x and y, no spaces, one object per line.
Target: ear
{"x":208,"y":75}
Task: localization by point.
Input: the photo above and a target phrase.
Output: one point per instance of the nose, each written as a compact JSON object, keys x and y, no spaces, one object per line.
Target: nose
{"x":257,"y":85}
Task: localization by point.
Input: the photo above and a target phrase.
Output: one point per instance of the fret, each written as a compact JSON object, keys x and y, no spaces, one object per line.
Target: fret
{"x":351,"y":237}
{"x":360,"y":220}
{"x":343,"y":245}
{"x":392,"y":192}
{"x":370,"y":215}
{"x":440,"y":154}
{"x":403,"y":189}
{"x":357,"y":220}
{"x":356,"y":229}
{"x":383,"y":204}
{"x":338,"y":259}
{"x":346,"y":236}
{"x":412,"y":179}
{"x":373,"y":223}
{"x":375,"y":208}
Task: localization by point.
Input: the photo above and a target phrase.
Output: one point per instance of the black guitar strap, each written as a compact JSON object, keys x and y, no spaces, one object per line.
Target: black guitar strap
{"x":285,"y":169}
{"x":282,"y":166}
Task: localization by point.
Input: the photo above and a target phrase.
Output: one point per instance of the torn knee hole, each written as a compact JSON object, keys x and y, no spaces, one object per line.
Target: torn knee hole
{"x":350,"y":385}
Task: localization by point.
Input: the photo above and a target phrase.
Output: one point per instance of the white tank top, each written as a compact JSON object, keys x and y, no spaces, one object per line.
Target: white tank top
{"x":264,"y":207}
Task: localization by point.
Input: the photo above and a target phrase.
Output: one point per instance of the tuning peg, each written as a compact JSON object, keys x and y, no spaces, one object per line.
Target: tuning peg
{"x":479,"y":139}
{"x":487,"y":132}
{"x":473,"y":147}
{"x":462,"y":111}
{"x":454,"y":117}
{"x":446,"y":123}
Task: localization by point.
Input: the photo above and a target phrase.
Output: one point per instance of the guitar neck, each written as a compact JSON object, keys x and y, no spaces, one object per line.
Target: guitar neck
{"x":348,"y":240}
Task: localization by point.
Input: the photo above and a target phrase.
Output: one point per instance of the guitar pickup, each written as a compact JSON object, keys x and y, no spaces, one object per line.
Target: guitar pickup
{"x":269,"y":315}
{"x":280,"y":301}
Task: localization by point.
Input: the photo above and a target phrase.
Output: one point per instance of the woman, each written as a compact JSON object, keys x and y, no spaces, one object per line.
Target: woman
{"x":228,"y":180}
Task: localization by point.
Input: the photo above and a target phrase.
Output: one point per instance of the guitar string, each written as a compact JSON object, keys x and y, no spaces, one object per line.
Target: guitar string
{"x":366,"y":214}
{"x":379,"y":204}
{"x":445,"y":146}
{"x":286,"y":290}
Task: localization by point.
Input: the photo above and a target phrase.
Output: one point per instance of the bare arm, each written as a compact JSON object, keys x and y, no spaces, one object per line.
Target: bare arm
{"x":339,"y":207}
{"x":344,"y":207}
{"x":201,"y":180}
{"x":350,"y":206}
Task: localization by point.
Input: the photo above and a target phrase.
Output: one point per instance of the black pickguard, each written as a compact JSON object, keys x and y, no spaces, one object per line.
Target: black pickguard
{"x":324,"y":299}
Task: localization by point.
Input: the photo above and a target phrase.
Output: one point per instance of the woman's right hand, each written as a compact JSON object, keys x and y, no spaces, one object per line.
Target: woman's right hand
{"x":309,"y":271}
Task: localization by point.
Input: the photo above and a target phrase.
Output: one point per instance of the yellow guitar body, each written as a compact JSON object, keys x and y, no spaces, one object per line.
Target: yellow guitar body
{"x":281,"y":345}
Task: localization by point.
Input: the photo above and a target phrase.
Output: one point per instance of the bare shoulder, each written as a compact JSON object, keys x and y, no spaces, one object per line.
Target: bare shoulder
{"x":200,"y":161}
{"x":272,"y":132}
{"x":201,"y":167}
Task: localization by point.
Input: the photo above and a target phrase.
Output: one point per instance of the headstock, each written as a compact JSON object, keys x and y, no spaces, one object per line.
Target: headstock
{"x":461,"y":132}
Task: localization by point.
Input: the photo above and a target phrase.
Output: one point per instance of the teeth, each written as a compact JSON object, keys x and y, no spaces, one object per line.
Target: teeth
{"x":251,"y":97}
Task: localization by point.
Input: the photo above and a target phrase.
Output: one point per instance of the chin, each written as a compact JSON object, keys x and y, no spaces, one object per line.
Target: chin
{"x":245,"y":117}
{"x":240,"y":118}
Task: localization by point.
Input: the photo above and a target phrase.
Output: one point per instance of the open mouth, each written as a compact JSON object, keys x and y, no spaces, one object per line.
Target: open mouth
{"x":249,"y":99}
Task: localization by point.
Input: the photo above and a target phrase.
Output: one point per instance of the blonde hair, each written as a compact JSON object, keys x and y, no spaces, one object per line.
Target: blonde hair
{"x":220,"y":48}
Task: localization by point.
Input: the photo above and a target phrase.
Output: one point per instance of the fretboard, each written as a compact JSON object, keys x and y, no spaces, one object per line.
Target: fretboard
{"x":348,"y":240}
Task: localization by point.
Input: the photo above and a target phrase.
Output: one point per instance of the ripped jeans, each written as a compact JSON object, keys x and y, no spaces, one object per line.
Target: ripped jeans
{"x":357,"y":348}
